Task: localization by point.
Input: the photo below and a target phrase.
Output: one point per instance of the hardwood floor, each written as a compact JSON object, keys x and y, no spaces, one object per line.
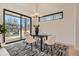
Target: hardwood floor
{"x":73,"y":51}
{"x":3,"y":52}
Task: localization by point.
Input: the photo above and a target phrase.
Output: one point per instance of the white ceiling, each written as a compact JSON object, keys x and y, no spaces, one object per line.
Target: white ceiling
{"x":27,"y":8}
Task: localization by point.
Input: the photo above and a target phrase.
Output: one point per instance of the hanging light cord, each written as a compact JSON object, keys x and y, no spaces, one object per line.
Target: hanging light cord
{"x":36,"y":7}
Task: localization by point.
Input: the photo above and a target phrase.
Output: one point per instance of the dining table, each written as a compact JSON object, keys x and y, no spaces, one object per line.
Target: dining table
{"x":41,"y":39}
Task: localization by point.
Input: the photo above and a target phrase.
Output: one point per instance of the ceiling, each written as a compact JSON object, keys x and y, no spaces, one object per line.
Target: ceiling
{"x":27,"y":8}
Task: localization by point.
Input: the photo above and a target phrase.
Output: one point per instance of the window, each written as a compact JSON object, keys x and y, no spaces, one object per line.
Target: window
{"x":12,"y":24}
{"x":54,"y":16}
{"x":17,"y":24}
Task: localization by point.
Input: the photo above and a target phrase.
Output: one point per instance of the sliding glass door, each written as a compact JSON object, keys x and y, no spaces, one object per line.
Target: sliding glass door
{"x":12,"y":23}
{"x":25,"y":26}
{"x":17,"y":25}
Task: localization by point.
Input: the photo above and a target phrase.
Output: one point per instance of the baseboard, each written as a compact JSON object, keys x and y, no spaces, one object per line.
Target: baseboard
{"x":14,"y":41}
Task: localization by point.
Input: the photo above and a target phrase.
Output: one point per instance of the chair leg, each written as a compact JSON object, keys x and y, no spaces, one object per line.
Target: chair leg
{"x":35,"y":45}
{"x":31,"y":46}
{"x":25,"y":46}
{"x":51,"y":51}
{"x":46,"y":48}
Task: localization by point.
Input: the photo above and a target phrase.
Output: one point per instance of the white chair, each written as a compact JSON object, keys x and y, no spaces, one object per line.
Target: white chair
{"x":50,"y":42}
{"x":29,"y":39}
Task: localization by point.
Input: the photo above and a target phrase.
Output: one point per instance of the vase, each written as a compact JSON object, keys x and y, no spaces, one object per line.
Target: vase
{"x":36,"y":31}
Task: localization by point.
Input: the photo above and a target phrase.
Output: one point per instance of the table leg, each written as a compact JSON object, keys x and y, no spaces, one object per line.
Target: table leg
{"x":46,"y":37}
{"x":41,"y":43}
{"x":51,"y":51}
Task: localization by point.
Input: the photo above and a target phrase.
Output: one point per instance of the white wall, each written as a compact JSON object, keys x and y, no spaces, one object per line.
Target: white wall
{"x":62,"y":28}
{"x":77,"y":26}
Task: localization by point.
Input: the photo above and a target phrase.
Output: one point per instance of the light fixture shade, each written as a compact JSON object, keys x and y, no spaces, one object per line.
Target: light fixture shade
{"x":35,"y":15}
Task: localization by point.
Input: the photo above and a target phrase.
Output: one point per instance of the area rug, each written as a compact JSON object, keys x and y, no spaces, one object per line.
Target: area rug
{"x":19,"y":49}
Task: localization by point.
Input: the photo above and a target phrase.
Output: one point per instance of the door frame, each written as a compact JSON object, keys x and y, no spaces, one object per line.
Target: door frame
{"x":4,"y":13}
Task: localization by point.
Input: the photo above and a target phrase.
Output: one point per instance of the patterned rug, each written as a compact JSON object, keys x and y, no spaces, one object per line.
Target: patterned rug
{"x":19,"y":49}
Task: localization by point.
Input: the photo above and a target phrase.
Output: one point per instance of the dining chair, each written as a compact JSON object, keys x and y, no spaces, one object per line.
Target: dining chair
{"x":29,"y":40}
{"x":37,"y":43}
{"x":49,"y":43}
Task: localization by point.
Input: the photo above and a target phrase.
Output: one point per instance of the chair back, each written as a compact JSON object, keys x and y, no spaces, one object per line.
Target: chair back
{"x":28,"y":37}
{"x":51,"y":39}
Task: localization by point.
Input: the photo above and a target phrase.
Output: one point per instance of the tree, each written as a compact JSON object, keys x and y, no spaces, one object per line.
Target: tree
{"x":2,"y":29}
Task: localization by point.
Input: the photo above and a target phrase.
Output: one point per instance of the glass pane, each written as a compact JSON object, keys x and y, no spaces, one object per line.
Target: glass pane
{"x":25,"y":26}
{"x":28,"y":25}
{"x":12,"y":23}
{"x":55,"y":16}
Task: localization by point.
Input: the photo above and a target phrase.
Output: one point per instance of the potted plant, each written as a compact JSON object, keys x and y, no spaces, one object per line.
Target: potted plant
{"x":2,"y":31}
